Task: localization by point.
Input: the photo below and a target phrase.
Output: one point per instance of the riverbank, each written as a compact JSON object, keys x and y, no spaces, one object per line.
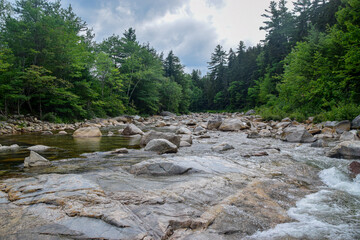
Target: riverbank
{"x":239,"y":178}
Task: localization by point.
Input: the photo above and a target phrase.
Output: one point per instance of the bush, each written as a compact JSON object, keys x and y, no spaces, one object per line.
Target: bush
{"x":51,"y":117}
{"x":271,"y":113}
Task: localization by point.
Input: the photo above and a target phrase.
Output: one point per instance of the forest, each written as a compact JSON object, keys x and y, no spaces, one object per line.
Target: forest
{"x":307,"y":65}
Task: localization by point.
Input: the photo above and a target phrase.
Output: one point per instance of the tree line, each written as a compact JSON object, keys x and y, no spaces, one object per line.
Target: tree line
{"x":307,"y":65}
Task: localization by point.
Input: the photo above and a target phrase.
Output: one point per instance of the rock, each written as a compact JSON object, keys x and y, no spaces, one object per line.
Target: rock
{"x":222,"y":147}
{"x":38,"y":148}
{"x":120,"y":150}
{"x":199,"y":129}
{"x":354,"y":168}
{"x":250,"y":112}
{"x":282,"y":125}
{"x":265,"y":133}
{"x":47,"y":133}
{"x":355,"y":124}
{"x":256,"y":154}
{"x":191,"y":122}
{"x":349,"y":136}
{"x":253,"y":134}
{"x":160,"y":124}
{"x":173,"y":138}
{"x":87,"y":132}
{"x":183,"y":130}
{"x":233,"y":125}
{"x":186,"y":138}
{"x":131,"y":129}
{"x":214,"y":123}
{"x":36,"y":160}
{"x":158,"y":167}
{"x":320,"y":144}
{"x":110,"y":134}
{"x":167,"y":114}
{"x":13,"y":147}
{"x":184,"y":144}
{"x":62,"y":133}
{"x":342,"y":126}
{"x":347,"y":149}
{"x":286,"y":120}
{"x":330,"y":124}
{"x":161,"y":146}
{"x":300,"y":136}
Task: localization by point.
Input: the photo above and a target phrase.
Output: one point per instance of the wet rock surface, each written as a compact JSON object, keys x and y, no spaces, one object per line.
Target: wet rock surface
{"x":196,"y":193}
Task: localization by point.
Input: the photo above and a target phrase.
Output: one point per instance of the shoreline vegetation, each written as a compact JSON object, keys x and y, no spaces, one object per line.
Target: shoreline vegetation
{"x":307,"y":66}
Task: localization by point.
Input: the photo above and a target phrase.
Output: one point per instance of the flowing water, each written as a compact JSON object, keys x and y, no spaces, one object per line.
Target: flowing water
{"x":330,"y":211}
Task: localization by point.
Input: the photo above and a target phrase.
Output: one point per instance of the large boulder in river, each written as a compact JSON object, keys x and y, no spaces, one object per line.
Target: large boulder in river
{"x":87,"y":132}
{"x":38,"y":148}
{"x":300,"y":136}
{"x":172,"y":137}
{"x":347,"y":149}
{"x":349,"y":136}
{"x":36,"y":160}
{"x":214,"y":123}
{"x":355,"y":124}
{"x":161,"y":146}
{"x":131,"y":129}
{"x":233,"y":125}
{"x":342,"y":126}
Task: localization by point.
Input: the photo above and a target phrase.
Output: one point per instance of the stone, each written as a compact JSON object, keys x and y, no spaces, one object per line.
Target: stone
{"x":349,"y":136}
{"x":158,"y":168}
{"x":87,"y":132}
{"x":233,"y":125}
{"x":342,"y":126}
{"x":147,"y":137}
{"x":167,"y":114}
{"x":347,"y":150}
{"x":222,"y":147}
{"x":186,"y":138}
{"x":355,"y":124}
{"x":250,"y":112}
{"x":300,"y":136}
{"x":199,"y":129}
{"x":253,"y":134}
{"x":39,"y":148}
{"x":47,"y":133}
{"x":62,"y":133}
{"x":13,"y":147}
{"x":320,"y":144}
{"x":265,"y":133}
{"x":131,"y":129}
{"x":161,"y":146}
{"x":354,"y":168}
{"x":36,"y":160}
{"x":286,"y":120}
{"x":120,"y":150}
{"x":183,"y":130}
{"x":214,"y":123}
{"x":160,"y":124}
{"x":282,"y":125}
{"x":184,"y":144}
{"x":110,"y":134}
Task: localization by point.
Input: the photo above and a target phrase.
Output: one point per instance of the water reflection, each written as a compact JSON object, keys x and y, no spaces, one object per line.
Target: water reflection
{"x":86,"y":144}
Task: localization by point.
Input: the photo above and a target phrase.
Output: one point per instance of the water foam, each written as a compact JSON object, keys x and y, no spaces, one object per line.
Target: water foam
{"x":336,"y":179}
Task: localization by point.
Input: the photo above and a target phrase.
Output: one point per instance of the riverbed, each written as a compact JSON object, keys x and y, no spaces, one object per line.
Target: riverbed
{"x":263,"y":188}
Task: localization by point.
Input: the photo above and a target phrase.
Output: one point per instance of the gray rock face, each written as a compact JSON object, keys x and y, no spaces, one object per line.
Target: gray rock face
{"x":347,"y":149}
{"x":342,"y":126}
{"x":253,"y":134}
{"x":355,"y":124}
{"x":214,"y":123}
{"x":161,"y":146}
{"x":233,"y":125}
{"x":36,"y":160}
{"x":158,"y":168}
{"x":131,"y":129}
{"x":87,"y":132}
{"x":349,"y":136}
{"x":173,"y":138}
{"x":319,"y":144}
{"x":222,"y":147}
{"x":300,"y":136}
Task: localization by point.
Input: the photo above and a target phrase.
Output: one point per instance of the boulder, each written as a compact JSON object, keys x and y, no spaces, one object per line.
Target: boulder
{"x":265,"y":133}
{"x":347,"y":149}
{"x":233,"y":125}
{"x":300,"y":136}
{"x":320,"y":144}
{"x":158,"y":167}
{"x":161,"y":146}
{"x":147,"y":137}
{"x":253,"y":134}
{"x":120,"y":150}
{"x":355,"y":124}
{"x":131,"y":129}
{"x":167,"y":114}
{"x":250,"y":112}
{"x":160,"y":124}
{"x":349,"y":136}
{"x":222,"y":147}
{"x":214,"y":123}
{"x":187,"y":138}
{"x":184,"y":144}
{"x":62,"y":133}
{"x":36,"y":160}
{"x":87,"y":132}
{"x":199,"y":129}
{"x":354,"y":168}
{"x":47,"y":133}
{"x":342,"y":126}
{"x":183,"y":130}
{"x":9,"y":148}
{"x":38,"y":148}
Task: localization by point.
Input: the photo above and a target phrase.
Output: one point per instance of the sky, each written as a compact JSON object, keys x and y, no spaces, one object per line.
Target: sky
{"x":191,"y":28}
